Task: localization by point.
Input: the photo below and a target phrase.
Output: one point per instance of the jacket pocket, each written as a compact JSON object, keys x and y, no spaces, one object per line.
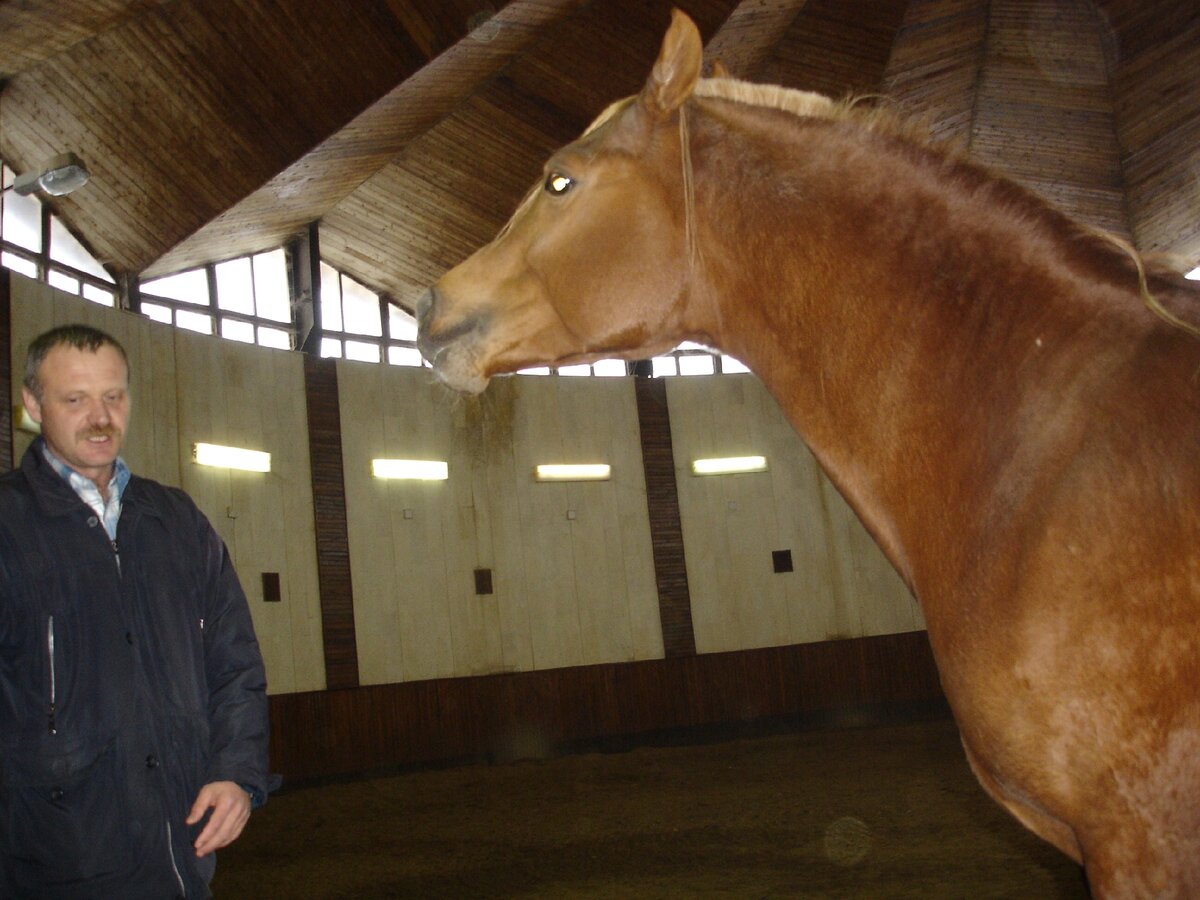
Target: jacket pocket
{"x":63,"y":817}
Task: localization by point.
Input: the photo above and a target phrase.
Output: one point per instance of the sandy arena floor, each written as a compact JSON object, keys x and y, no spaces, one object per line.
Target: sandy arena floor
{"x":884,"y":812}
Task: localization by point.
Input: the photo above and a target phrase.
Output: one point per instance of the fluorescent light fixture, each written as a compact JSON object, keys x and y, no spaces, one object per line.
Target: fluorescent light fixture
{"x":1194,"y":274}
{"x":231,"y":457}
{"x":412,"y":469}
{"x":729,"y":465}
{"x":24,"y":421}
{"x":586,"y":472}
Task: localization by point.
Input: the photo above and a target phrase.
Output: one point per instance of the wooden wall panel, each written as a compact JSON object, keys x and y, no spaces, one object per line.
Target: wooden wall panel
{"x":835,"y":47}
{"x":572,"y":573}
{"x":531,"y":714}
{"x":933,"y":71}
{"x":245,"y":396}
{"x":1044,"y":111}
{"x":1156,"y":93}
{"x":666,"y":532}
{"x":841,"y":586}
{"x":329,"y":512}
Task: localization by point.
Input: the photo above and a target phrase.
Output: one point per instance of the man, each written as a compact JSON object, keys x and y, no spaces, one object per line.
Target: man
{"x":133,"y":720}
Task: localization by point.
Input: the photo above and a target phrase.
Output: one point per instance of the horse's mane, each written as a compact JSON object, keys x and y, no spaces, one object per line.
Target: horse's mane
{"x":859,"y":109}
{"x":883,"y":119}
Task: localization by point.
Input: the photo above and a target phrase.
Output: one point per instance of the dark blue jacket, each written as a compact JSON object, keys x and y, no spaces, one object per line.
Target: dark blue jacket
{"x":129,"y":678}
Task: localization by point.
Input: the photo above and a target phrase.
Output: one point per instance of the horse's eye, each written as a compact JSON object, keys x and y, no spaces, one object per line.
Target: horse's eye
{"x":558,"y":184}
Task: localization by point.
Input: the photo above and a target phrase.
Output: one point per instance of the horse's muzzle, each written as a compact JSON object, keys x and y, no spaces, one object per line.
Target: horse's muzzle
{"x":447,"y":347}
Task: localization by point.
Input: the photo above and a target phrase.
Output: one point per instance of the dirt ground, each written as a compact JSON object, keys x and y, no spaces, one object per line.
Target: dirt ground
{"x":883,"y":812}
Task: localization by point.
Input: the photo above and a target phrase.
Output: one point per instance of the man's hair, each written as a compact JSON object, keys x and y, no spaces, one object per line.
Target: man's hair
{"x":81,"y":337}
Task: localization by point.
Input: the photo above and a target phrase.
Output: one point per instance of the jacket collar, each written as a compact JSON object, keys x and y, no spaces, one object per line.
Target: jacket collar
{"x":57,"y":498}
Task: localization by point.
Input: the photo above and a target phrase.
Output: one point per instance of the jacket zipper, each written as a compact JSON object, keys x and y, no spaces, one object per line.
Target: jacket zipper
{"x":53,"y":681}
{"x":174,"y":867}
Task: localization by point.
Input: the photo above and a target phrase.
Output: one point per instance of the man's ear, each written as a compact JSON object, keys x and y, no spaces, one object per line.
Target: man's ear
{"x":31,"y":405}
{"x":677,"y":69}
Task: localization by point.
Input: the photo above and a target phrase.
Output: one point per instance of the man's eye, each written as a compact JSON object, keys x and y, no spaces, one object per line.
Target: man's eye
{"x":558,"y":184}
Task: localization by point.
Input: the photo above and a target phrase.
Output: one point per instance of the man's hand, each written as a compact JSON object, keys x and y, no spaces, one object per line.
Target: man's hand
{"x":230,"y":807}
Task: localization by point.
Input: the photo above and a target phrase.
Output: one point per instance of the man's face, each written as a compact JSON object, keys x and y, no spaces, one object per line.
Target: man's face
{"x":84,"y":407}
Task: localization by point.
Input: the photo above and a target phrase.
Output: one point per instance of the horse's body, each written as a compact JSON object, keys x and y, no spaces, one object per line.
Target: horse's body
{"x":980,"y":378}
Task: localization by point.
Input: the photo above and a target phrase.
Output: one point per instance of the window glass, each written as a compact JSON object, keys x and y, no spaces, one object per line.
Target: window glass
{"x":331,"y":301}
{"x":664,"y":365}
{"x":21,"y":223}
{"x":194,"y":321}
{"x":187,"y":287}
{"x":99,"y":295}
{"x":331,"y":347}
{"x":609,"y":367}
{"x":536,"y":370}
{"x":360,"y":307}
{"x":401,"y":326}
{"x":574,"y":370}
{"x":404,"y":356}
{"x":237,"y":331}
{"x":19,"y":264}
{"x":271,"y":286}
{"x":362,"y":351}
{"x":235,"y":287}
{"x":64,"y":248}
{"x":157,"y":312}
{"x":274,"y":337}
{"x":63,"y":281}
{"x":696,"y":364}
{"x":730,"y":365}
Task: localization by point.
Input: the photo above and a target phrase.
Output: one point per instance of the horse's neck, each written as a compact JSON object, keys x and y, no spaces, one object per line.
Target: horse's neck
{"x":892,"y":321}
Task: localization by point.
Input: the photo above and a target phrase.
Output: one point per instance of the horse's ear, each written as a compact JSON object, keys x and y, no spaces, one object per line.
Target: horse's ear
{"x":677,"y":69}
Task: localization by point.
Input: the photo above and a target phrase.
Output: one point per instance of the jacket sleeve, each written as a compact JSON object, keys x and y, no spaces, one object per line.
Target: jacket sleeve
{"x":237,"y":688}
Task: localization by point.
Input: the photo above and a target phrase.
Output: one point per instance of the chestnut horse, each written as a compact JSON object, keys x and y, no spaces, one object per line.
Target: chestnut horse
{"x":979,"y":376}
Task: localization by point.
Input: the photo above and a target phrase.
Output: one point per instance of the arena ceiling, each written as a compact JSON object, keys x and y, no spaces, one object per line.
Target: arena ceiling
{"x":409,"y":129}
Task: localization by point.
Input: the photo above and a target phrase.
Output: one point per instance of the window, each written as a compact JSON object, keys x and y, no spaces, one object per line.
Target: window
{"x":694,"y":359}
{"x":245,"y":299}
{"x":359,"y":324}
{"x":36,"y":243}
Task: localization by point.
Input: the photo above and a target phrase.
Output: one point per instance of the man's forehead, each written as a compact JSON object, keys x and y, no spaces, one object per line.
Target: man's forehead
{"x":72,"y":362}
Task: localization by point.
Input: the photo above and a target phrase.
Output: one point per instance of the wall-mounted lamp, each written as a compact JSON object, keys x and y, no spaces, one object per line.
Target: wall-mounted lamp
{"x":729,"y":465}
{"x":585,"y":472}
{"x":412,"y":469}
{"x":59,"y":176}
{"x":231,"y":457}
{"x":24,"y":421}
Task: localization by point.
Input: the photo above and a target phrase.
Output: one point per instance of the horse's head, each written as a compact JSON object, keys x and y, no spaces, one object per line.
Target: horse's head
{"x":594,"y":263}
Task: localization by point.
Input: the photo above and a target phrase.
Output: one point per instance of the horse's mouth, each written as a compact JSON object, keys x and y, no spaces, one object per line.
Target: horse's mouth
{"x":454,"y":364}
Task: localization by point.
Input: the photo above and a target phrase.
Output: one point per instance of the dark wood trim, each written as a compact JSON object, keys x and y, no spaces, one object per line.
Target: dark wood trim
{"x":7,"y":452}
{"x":324,"y":734}
{"x":666,"y":530}
{"x":329,"y":511}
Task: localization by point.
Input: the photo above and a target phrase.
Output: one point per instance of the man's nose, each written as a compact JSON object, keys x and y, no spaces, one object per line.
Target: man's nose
{"x":99,"y":413}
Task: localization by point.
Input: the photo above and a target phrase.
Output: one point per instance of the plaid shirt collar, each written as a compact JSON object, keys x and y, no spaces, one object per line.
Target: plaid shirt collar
{"x":109,"y":512}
